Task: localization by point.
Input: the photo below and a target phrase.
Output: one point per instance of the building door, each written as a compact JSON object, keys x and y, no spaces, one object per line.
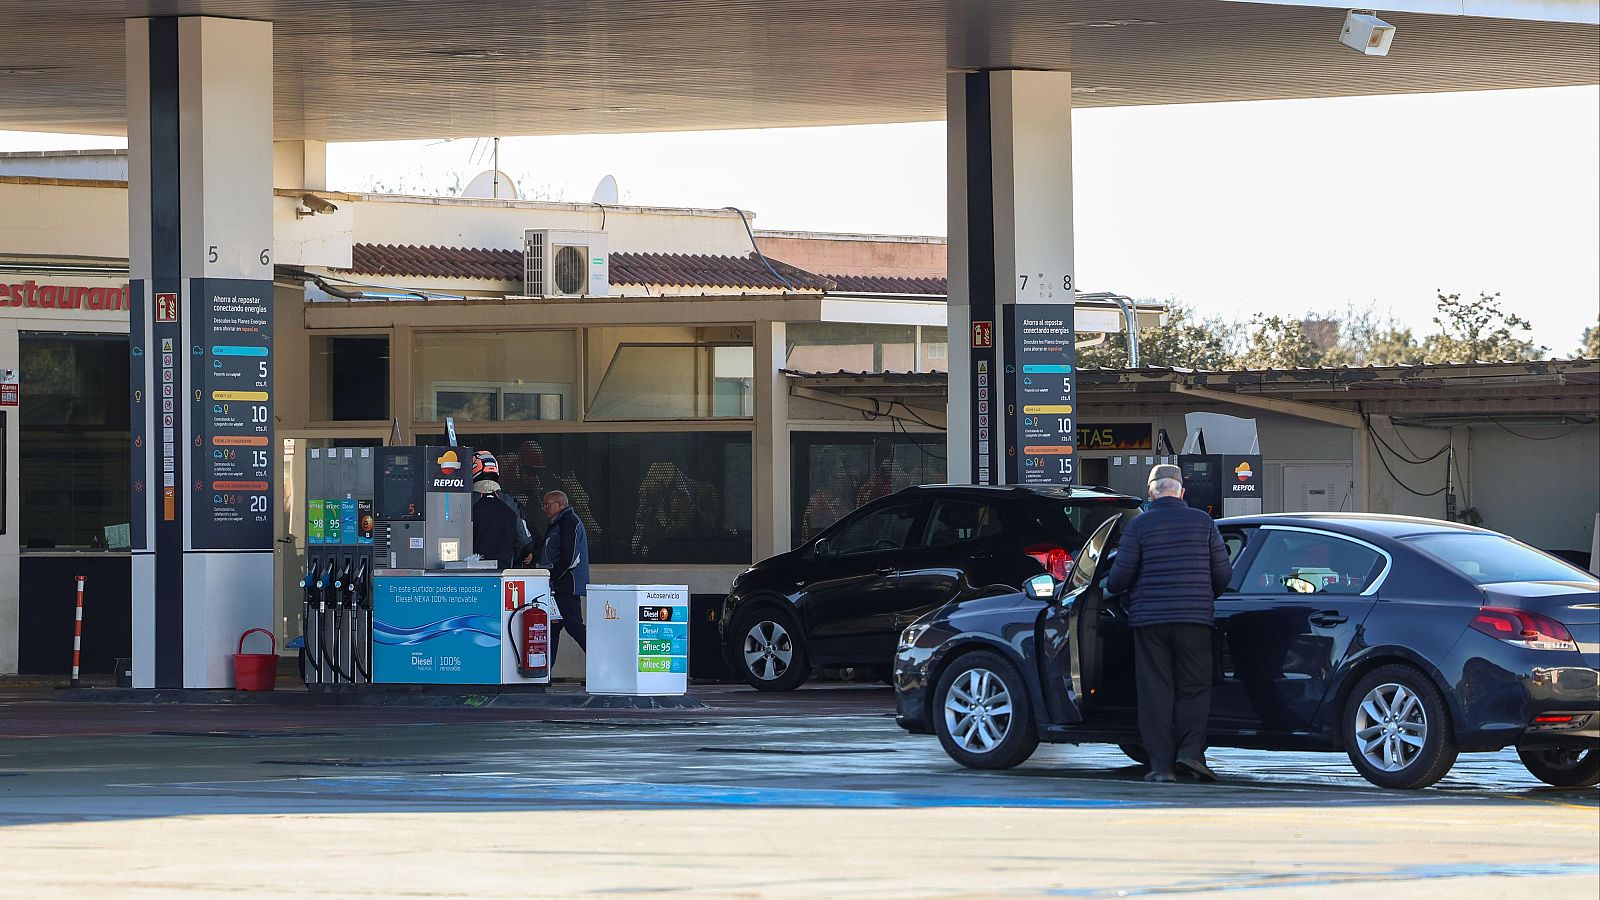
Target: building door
{"x":1318,"y":489}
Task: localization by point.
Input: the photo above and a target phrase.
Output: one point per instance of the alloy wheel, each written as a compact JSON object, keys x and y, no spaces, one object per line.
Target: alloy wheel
{"x":977,"y":710}
{"x":1391,"y":727}
{"x":768,"y":650}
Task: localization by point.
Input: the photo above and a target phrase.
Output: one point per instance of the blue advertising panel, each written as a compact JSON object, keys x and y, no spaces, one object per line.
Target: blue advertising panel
{"x":436,"y":629}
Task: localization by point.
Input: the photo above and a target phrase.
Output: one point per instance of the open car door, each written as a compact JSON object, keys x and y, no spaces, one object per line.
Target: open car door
{"x":1068,"y":642}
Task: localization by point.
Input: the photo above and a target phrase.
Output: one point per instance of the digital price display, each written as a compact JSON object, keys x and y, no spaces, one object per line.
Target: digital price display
{"x":230,"y":389}
{"x":1041,"y":416}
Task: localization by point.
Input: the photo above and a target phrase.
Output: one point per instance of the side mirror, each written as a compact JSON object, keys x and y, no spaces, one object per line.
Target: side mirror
{"x":1299,"y":585}
{"x":1040,"y":587}
{"x":819,"y":550}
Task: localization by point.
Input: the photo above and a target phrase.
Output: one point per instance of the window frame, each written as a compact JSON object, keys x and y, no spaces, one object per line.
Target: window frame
{"x":919,"y":509}
{"x":933,"y":517}
{"x":1369,"y":591}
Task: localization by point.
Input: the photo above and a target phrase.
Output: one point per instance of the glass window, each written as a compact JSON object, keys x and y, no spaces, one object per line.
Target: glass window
{"x":882,"y":529}
{"x":494,"y":377}
{"x":850,"y":347}
{"x":662,"y":498}
{"x":935,"y":348}
{"x":1073,"y":523}
{"x":1331,"y":565}
{"x":1490,"y":558}
{"x":349,"y":378}
{"x":954,"y":521}
{"x":834,"y":473}
{"x":72,"y":442}
{"x":676,"y":381}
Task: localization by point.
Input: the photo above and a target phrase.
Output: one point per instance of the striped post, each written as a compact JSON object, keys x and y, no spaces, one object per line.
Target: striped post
{"x":77,"y":633}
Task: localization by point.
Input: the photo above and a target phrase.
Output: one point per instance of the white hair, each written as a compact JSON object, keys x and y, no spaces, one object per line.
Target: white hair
{"x":1166,"y":487}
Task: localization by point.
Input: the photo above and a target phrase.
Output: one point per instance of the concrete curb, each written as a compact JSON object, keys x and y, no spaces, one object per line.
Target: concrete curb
{"x":394,"y":697}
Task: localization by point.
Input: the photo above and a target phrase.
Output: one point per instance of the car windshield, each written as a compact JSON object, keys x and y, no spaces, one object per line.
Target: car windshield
{"x":1491,"y":558}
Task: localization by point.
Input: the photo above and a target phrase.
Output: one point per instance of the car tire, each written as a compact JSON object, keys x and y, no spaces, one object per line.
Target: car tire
{"x":982,"y":712}
{"x":1397,"y":730}
{"x":767,"y":650}
{"x":1136,"y":753}
{"x":1563,"y":766}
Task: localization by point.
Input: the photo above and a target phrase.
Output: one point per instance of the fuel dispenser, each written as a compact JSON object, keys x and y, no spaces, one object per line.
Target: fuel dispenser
{"x":424,"y":507}
{"x":1222,"y":465}
{"x":337,"y":586}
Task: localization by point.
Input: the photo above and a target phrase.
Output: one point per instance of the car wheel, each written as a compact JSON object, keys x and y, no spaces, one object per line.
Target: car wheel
{"x":1135,"y":753}
{"x":768,"y":652}
{"x":982,"y":713}
{"x":1563,"y":766}
{"x":1396,"y":729}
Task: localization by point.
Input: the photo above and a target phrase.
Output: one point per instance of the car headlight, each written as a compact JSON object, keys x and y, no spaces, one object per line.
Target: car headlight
{"x":908,"y":638}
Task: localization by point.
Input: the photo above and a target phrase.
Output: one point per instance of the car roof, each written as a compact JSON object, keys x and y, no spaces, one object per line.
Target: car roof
{"x":1044,"y":491}
{"x":1383,"y":524}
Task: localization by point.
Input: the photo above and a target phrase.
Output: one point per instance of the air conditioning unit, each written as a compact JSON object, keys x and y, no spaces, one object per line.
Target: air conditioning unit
{"x":565,"y":263}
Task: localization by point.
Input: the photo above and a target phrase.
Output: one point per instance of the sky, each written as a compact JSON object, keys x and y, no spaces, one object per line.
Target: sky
{"x":1296,"y":207}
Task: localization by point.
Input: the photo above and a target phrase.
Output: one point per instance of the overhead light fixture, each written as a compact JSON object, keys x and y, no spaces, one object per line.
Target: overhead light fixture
{"x":1365,"y":33}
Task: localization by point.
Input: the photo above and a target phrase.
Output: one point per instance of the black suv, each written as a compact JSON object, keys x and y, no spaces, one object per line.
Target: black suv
{"x":843,"y":597}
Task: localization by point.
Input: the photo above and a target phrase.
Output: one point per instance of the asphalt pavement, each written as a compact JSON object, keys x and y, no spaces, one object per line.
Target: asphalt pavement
{"x":815,"y":793}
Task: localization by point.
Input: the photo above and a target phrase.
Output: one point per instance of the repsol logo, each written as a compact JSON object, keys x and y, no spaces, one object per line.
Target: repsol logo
{"x":1243,"y":488}
{"x":456,"y":483}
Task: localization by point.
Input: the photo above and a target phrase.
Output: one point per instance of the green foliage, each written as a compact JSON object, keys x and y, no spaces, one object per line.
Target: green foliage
{"x":1368,"y":338}
{"x":1591,"y":343}
{"x":1278,"y":343}
{"x":1478,"y":331}
{"x":1181,"y":342}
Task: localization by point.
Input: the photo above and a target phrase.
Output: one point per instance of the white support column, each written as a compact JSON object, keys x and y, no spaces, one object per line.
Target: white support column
{"x":1010,"y":200}
{"x":200,"y":160}
{"x":300,"y":164}
{"x":771,"y":443}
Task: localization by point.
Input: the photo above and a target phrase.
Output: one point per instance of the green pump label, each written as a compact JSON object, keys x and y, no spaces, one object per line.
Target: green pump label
{"x":315,"y":532}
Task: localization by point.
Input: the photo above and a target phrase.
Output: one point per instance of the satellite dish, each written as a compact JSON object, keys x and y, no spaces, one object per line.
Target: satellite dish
{"x":483,"y":186}
{"x":606,"y":191}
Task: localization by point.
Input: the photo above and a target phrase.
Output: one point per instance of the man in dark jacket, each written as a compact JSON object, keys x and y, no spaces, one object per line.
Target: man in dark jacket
{"x":499,"y":531}
{"x":1173,"y":560}
{"x":566,"y":555}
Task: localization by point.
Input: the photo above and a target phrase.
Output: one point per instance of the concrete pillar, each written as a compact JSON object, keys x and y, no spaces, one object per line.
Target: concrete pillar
{"x":300,"y":164}
{"x":771,"y":442}
{"x":200,"y":257}
{"x":1010,"y":200}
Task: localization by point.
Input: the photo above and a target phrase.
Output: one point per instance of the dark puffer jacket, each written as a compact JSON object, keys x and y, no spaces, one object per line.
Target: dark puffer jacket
{"x":1173,"y":560}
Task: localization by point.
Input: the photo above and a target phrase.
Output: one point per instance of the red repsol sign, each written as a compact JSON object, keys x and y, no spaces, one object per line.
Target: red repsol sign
{"x":33,"y":295}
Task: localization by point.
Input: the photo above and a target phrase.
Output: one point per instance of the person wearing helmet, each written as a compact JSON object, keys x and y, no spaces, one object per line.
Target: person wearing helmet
{"x":499,"y":531}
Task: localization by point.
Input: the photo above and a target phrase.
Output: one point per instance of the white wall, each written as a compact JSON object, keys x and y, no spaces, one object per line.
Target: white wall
{"x":94,"y":165}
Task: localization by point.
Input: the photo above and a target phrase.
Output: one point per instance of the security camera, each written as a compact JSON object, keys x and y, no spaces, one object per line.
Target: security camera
{"x":1365,"y":33}
{"x":311,"y":204}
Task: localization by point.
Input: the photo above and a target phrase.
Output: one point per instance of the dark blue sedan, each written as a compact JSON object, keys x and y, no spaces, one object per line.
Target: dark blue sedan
{"x":1401,"y":641}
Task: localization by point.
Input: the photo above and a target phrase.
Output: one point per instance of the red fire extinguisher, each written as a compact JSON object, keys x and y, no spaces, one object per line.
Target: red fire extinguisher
{"x":534,"y":661}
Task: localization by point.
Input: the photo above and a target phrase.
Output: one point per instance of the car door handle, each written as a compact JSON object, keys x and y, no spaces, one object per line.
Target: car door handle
{"x":1328,"y":617}
{"x":983,"y":554}
{"x":886,"y":571}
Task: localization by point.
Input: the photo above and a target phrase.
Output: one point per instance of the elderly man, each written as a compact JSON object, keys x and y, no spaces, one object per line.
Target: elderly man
{"x":1173,"y":560}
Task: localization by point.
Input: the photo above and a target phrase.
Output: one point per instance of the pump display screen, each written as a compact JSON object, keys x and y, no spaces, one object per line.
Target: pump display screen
{"x":399,"y":487}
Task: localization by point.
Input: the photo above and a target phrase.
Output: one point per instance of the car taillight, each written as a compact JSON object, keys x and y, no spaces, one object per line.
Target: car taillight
{"x":1054,"y":559}
{"x":1523,"y":628}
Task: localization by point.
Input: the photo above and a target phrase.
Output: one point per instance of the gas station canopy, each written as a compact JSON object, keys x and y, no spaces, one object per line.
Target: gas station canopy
{"x":392,"y":69}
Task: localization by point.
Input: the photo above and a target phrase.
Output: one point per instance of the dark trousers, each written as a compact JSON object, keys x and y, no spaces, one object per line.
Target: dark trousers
{"x":1174,"y":678}
{"x":571,"y":608}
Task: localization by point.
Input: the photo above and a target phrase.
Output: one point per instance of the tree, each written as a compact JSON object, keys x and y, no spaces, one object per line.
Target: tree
{"x":1278,"y":343}
{"x":1591,"y":342}
{"x":1181,"y":342}
{"x":1368,"y":338}
{"x":1478,"y":331}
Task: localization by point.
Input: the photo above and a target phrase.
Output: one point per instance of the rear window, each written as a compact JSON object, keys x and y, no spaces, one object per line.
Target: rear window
{"x":1490,"y":558}
{"x":1076,"y":522}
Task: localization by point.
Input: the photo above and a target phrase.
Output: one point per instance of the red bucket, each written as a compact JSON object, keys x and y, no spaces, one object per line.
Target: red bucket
{"x":255,"y":671}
